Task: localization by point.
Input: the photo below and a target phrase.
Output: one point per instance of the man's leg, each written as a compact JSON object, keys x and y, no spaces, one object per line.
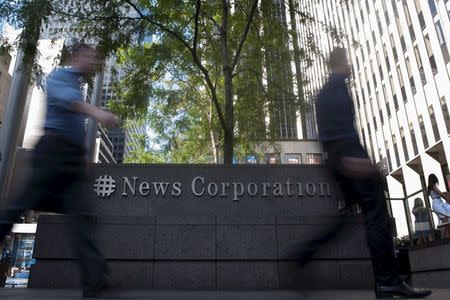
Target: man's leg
{"x":26,"y":197}
{"x":378,"y":230}
{"x":92,"y":263}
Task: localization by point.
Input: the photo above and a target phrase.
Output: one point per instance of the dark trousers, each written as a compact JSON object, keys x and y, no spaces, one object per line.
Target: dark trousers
{"x":368,"y":193}
{"x":58,"y":169}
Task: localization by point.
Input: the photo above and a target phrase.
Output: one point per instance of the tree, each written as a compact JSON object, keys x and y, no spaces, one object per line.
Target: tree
{"x":225,"y":47}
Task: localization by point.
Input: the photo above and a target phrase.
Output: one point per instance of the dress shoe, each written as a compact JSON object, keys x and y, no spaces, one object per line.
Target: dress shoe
{"x":94,"y":290}
{"x":401,"y":290}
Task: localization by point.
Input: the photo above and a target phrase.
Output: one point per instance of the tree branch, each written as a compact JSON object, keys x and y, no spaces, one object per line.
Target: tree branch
{"x":244,"y":35}
{"x":159,"y":25}
{"x":194,"y":57}
{"x":196,"y":20}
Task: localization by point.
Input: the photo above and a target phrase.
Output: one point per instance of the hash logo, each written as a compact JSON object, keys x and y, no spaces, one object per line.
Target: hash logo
{"x":104,"y":186}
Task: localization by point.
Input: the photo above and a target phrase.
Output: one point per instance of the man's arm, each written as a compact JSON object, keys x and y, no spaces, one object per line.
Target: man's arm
{"x":107,"y":118}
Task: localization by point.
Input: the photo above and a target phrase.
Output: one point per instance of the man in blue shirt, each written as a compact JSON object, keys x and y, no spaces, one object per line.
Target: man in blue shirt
{"x":59,"y":165}
{"x":358,"y":179}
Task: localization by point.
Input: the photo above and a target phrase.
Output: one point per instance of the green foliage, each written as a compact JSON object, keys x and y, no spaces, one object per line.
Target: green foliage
{"x":28,"y":15}
{"x":179,"y":81}
{"x":402,"y":242}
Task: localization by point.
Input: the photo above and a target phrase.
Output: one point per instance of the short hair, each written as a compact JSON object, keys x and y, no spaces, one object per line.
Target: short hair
{"x":337,"y":56}
{"x":76,"y":48}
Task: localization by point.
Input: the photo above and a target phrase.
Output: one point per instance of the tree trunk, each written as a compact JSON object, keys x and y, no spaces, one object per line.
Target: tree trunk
{"x":229,"y":117}
{"x":228,"y":82}
{"x":298,"y":71}
{"x":211,"y":134}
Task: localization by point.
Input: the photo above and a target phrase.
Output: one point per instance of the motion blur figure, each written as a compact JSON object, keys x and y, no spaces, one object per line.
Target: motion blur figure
{"x":59,"y":165}
{"x":359,"y":180}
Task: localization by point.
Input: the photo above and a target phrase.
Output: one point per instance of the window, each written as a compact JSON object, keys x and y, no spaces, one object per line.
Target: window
{"x":431,"y":58}
{"x":397,"y":156}
{"x":409,"y":22}
{"x":402,"y":42}
{"x":388,"y":109}
{"x":433,"y":8}
{"x":402,"y":84}
{"x":423,"y":132}
{"x":386,"y":58}
{"x":394,"y":7}
{"x":413,"y":139}
{"x":434,"y":125}
{"x":363,"y":138}
{"x":394,"y":50}
{"x":314,"y":158}
{"x":380,"y":28}
{"x":411,"y":77}
{"x":423,"y":78}
{"x":442,"y":42}
{"x":394,"y":96}
{"x":272,"y":158}
{"x":405,"y":149}
{"x":420,"y":13}
{"x":386,"y":14}
{"x":293,"y":158}
{"x":446,"y":113}
{"x":388,"y":155}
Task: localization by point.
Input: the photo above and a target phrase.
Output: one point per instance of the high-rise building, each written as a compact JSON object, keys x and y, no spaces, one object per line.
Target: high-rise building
{"x":5,"y":83}
{"x":400,"y":86}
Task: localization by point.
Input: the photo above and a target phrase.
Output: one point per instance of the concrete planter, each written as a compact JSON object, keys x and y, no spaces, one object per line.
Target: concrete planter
{"x":430,"y":264}
{"x":214,"y":228}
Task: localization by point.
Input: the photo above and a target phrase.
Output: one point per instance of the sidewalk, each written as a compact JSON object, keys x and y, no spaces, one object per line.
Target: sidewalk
{"x":42,"y":294}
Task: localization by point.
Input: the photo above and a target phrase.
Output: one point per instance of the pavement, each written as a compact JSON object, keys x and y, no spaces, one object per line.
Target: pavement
{"x":53,"y":294}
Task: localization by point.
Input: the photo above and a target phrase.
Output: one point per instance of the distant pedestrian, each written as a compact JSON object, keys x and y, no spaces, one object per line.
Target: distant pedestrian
{"x":440,"y":204}
{"x":59,"y":165}
{"x":358,"y":179}
{"x":422,"y":223}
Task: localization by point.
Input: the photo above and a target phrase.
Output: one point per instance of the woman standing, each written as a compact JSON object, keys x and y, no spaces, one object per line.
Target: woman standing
{"x":439,"y":204}
{"x":422,"y":222}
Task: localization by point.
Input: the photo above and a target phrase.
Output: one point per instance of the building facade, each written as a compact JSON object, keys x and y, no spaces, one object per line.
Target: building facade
{"x":5,"y":84}
{"x":400,"y":86}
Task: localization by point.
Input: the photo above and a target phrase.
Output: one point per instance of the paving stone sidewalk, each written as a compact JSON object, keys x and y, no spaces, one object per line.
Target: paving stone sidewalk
{"x":41,"y":294}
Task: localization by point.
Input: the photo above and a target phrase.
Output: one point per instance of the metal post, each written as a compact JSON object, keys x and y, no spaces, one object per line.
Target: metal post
{"x":13,"y":116}
{"x":91,"y":134}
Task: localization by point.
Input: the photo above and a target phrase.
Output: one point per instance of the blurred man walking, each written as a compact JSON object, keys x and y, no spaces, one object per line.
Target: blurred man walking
{"x":59,"y":165}
{"x":358,"y":179}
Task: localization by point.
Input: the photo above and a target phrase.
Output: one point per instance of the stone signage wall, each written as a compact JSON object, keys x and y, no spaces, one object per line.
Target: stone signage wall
{"x":208,"y":227}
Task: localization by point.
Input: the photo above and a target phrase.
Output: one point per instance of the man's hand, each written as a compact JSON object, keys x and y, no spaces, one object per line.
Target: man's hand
{"x":356,"y":167}
{"x":106,"y":118}
{"x":102,"y":116}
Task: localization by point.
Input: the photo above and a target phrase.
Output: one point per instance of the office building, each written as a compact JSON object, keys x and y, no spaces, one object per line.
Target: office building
{"x":400,"y":87}
{"x":5,"y":83}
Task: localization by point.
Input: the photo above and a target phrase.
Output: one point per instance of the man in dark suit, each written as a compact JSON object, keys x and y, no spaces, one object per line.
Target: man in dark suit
{"x":358,"y":179}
